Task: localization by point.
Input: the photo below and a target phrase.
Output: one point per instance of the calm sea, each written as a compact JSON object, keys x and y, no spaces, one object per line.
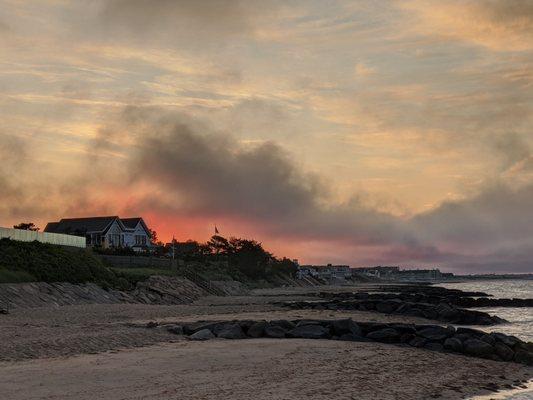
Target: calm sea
{"x":520,"y":319}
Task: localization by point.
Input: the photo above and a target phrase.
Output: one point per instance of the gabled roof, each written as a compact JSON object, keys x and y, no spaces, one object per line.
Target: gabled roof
{"x":131,"y":223}
{"x":81,"y":225}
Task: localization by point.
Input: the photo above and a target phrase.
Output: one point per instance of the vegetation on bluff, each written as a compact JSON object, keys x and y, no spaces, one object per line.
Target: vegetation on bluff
{"x":35,"y":261}
{"x":219,"y":259}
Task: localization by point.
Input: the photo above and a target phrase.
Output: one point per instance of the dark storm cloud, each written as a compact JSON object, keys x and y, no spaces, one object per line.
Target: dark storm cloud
{"x":210,"y":173}
{"x":496,"y":216}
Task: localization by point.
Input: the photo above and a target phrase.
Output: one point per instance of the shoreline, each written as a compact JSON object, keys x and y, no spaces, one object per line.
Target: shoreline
{"x":39,"y":345}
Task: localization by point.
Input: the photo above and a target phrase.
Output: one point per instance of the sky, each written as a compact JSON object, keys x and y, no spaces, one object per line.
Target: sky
{"x":351,"y":132}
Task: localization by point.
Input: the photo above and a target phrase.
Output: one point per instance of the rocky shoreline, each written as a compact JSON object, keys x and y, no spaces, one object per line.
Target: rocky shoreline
{"x":470,"y":342}
{"x":443,"y":312}
{"x":420,"y":300}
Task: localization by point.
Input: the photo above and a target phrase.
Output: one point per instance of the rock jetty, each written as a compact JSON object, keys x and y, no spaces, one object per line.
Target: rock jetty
{"x":466,"y":341}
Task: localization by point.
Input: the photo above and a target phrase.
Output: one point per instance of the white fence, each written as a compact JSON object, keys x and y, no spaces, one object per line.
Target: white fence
{"x":44,"y":237}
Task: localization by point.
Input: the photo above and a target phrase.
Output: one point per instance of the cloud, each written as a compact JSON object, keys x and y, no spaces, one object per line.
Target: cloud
{"x":179,"y":22}
{"x":497,"y":25}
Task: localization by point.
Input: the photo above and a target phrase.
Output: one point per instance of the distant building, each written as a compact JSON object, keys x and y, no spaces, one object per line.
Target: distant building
{"x":383,"y":272}
{"x":106,"y":232}
{"x":395,"y":273}
{"x":325,"y":272}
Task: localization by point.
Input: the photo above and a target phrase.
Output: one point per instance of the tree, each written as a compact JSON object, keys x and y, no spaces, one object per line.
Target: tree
{"x":27,"y":226}
{"x":249,"y":257}
{"x":153,"y":238}
{"x":218,"y":245}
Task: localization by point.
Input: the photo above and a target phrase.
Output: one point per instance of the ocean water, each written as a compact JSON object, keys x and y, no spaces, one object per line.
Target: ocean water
{"x":520,"y":319}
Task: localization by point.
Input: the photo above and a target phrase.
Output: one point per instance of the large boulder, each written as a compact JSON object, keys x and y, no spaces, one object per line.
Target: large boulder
{"x":257,"y":330}
{"x":510,"y":341}
{"x":194,"y":327}
{"x":436,"y":333}
{"x":350,"y":337}
{"x":275,"y":331}
{"x":387,"y":335}
{"x":231,"y":331}
{"x":446,"y":311}
{"x":388,"y":306}
{"x":523,"y":357}
{"x":453,"y":344}
{"x":418,"y":342}
{"x":346,"y":326}
{"x":175,"y":329}
{"x":203,"y":334}
{"x":434,"y":346}
{"x":479,"y":348}
{"x":287,"y":325}
{"x":309,"y":332}
{"x":503,"y":351}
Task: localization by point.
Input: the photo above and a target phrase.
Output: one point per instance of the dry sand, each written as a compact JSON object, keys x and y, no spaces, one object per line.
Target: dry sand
{"x":44,"y":354}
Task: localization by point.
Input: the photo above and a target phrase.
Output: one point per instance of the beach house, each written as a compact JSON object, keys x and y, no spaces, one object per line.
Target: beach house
{"x":106,"y":232}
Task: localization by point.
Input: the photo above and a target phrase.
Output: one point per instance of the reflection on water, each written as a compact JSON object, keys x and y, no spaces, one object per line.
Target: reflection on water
{"x":521,"y":319}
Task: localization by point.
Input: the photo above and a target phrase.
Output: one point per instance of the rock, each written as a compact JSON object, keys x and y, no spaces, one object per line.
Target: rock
{"x":287,"y":325}
{"x":275,"y":331}
{"x":463,"y":337}
{"x":469,"y":331}
{"x":406,"y":337}
{"x":190,"y":329}
{"x":476,"y":347}
{"x":430,"y":313}
{"x":436,"y":333}
{"x":510,"y":341}
{"x":523,"y":357}
{"x":309,"y":332}
{"x":446,"y":311}
{"x":488,"y":339}
{"x":434,"y":346}
{"x":387,"y":335}
{"x":345,"y":326}
{"x":503,"y":351}
{"x":415,"y":312}
{"x":304,"y":322}
{"x":350,"y":337}
{"x":233,"y":331}
{"x":151,"y":324}
{"x":388,"y":306}
{"x":453,"y":344}
{"x":202,"y":334}
{"x":175,"y":329}
{"x":257,"y":330}
{"x":418,"y":342}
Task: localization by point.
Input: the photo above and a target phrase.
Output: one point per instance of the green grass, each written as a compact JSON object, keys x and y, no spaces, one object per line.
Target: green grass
{"x":34,"y":261}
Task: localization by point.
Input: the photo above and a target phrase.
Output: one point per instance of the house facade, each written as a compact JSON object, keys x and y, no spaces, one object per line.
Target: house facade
{"x":106,"y":232}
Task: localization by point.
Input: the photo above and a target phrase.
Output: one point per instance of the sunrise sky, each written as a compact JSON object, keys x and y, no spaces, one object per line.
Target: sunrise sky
{"x":358,"y":132}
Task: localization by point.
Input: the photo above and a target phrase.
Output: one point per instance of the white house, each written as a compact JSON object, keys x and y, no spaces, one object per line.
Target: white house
{"x":106,"y":232}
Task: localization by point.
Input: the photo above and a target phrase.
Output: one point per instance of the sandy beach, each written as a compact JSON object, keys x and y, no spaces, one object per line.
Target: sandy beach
{"x":260,"y":369}
{"x":105,"y":352}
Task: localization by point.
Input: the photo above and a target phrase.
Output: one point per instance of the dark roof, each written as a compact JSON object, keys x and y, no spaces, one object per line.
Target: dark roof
{"x":51,"y":227}
{"x":131,"y":223}
{"x":80,"y":225}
